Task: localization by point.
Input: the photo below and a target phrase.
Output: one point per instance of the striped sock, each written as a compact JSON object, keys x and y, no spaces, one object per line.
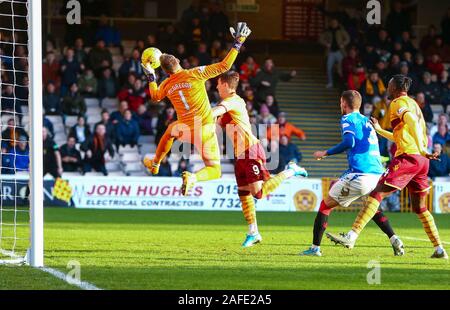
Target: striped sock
{"x":272,"y":184}
{"x":430,"y":227}
{"x":365,"y":214}
{"x":249,"y":210}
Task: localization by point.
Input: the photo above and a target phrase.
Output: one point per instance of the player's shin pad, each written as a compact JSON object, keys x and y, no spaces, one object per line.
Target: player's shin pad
{"x":209,"y":173}
{"x":430,"y":227}
{"x":365,"y":214}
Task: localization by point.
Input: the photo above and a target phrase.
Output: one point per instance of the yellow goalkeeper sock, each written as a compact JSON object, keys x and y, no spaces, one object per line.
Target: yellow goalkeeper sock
{"x":209,"y":173}
{"x":272,"y":184}
{"x":164,"y":146}
{"x":430,"y":227}
{"x":365,"y":214}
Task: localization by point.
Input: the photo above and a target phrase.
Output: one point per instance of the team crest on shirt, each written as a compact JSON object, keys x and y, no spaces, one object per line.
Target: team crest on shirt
{"x":345,"y":192}
{"x":396,"y":167}
{"x":401,"y":110}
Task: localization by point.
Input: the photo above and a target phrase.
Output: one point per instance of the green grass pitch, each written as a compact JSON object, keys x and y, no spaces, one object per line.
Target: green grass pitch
{"x":201,"y":250}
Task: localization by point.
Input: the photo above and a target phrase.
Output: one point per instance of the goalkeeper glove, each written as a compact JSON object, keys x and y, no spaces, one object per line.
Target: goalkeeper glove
{"x":149,"y":73}
{"x":240,"y":34}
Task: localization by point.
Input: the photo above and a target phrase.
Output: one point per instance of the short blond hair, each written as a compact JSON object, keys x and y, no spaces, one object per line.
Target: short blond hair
{"x":169,"y":63}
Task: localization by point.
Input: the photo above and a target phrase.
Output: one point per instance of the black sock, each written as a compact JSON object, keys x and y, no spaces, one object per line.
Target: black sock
{"x":383,"y":222}
{"x":320,"y":224}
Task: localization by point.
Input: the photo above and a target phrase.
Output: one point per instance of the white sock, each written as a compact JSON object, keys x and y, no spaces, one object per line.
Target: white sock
{"x":439,"y":249}
{"x":352,"y":235}
{"x":315,"y":247}
{"x":393,"y":238}
{"x":253,"y":229}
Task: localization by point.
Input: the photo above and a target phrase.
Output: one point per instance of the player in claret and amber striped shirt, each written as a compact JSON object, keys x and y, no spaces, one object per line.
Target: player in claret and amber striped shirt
{"x":186,"y":90}
{"x":408,"y":169}
{"x":252,"y":177}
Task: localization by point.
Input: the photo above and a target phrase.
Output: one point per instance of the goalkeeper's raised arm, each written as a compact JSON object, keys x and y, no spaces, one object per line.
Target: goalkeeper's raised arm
{"x":240,"y":34}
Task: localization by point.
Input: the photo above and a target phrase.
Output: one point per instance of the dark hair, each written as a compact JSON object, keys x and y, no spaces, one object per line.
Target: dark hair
{"x":169,"y":63}
{"x":401,"y":82}
{"x":352,"y":98}
{"x":231,"y":78}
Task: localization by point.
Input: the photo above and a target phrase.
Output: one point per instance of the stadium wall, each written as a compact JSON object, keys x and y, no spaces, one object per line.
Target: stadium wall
{"x":161,"y":193}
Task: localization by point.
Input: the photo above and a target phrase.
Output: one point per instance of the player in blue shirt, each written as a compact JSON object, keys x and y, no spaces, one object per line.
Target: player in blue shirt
{"x":360,"y":141}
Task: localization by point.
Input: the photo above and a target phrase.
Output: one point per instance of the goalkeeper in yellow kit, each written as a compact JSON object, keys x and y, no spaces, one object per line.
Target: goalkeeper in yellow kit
{"x":186,"y":90}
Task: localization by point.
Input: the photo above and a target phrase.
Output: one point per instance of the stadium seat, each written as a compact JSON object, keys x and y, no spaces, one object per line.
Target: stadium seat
{"x":128,"y":149}
{"x":55,"y":119}
{"x":133,"y":167}
{"x":113,"y":166}
{"x":437,"y":108}
{"x":110,"y":103}
{"x":116,"y":174}
{"x":146,"y":139}
{"x":70,"y":174}
{"x":71,"y":121}
{"x":147,"y":148}
{"x":130,"y":157}
{"x":92,"y":103}
{"x":94,"y":174}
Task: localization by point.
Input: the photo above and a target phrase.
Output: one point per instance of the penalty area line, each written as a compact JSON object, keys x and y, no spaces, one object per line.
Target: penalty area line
{"x":62,"y":276}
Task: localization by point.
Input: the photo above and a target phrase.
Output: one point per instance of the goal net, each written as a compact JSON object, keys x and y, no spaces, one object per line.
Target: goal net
{"x":21,"y":229}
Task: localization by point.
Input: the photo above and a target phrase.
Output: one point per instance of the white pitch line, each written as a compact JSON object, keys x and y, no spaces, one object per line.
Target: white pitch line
{"x":62,"y":276}
{"x":414,"y":238}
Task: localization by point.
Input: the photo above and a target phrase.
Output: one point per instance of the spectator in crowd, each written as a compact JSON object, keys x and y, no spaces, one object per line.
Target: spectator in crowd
{"x":80,"y":131}
{"x":424,"y":107}
{"x":398,"y":20}
{"x":438,"y":48}
{"x":117,"y":116}
{"x":51,"y":70}
{"x":442,"y":120}
{"x":373,"y":88}
{"x":441,"y":167}
{"x":383,"y":45}
{"x":52,"y":156}
{"x":73,"y":103}
{"x":272,"y":105}
{"x":132,"y":64}
{"x":419,"y":68}
{"x":407,"y":44}
{"x":181,"y":52}
{"x":12,"y":133}
{"x":127,"y":131}
{"x":430,"y":89}
{"x":404,"y":70}
{"x":70,"y":68}
{"x":9,"y":102}
{"x":166,"y":118}
{"x":109,"y":126}
{"x":435,"y":65}
{"x":289,"y":151}
{"x":349,"y":62}
{"x":98,"y":150}
{"x":165,"y":169}
{"x":70,"y":156}
{"x":275,"y":160}
{"x":16,"y":158}
{"x":265,"y":117}
{"x":169,"y":38}
{"x":356,"y":80}
{"x":135,"y":96}
{"x":145,"y":120}
{"x":284,"y":128}
{"x":445,"y":100}
{"x":266,"y":80}
{"x":218,"y":23}
{"x":335,"y":39}
{"x":88,"y":84}
{"x":217,"y":52}
{"x":80,"y":54}
{"x":202,"y":54}
{"x":107,"y":33}
{"x":248,"y":69}
{"x":107,"y":84}
{"x":183,"y":165}
{"x":49,"y":125}
{"x":442,"y":136}
{"x":52,"y":100}
{"x":197,"y":32}
{"x":429,"y":38}
{"x":99,"y":57}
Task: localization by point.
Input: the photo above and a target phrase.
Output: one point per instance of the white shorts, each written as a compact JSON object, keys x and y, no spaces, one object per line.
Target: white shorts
{"x":352,"y":186}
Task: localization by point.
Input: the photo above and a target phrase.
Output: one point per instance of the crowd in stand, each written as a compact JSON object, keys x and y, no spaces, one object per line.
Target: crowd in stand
{"x":81,"y":72}
{"x":364,"y":58}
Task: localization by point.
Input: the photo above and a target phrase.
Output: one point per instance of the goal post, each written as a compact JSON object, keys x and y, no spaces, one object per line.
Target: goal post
{"x":36,"y":252}
{"x":21,"y":185}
